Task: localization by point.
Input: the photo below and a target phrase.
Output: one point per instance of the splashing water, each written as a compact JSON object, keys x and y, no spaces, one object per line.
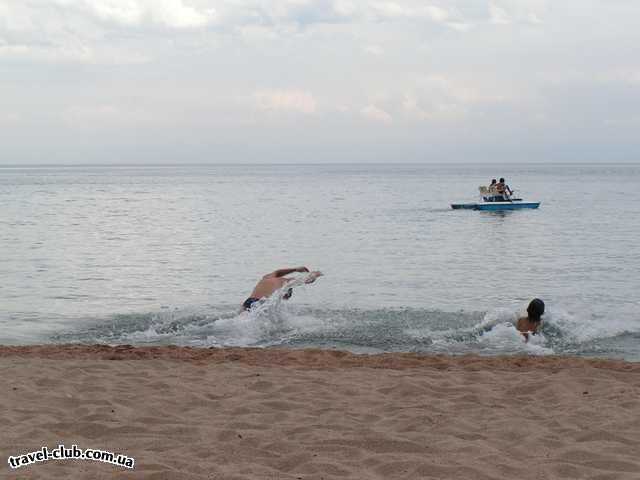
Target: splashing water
{"x":275,"y":322}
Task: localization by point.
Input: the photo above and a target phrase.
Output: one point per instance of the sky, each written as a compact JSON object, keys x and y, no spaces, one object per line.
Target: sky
{"x":319,"y":81}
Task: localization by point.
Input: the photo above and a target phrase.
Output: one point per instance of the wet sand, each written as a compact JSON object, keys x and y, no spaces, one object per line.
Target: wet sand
{"x":186,"y":413}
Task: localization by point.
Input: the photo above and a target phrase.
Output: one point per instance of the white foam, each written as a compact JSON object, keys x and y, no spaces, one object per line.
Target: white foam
{"x":496,"y":317}
{"x":268,"y":322}
{"x":582,"y":325}
{"x":506,"y":337}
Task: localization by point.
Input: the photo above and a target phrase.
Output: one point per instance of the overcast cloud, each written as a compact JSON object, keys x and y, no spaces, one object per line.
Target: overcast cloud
{"x":139,"y":81}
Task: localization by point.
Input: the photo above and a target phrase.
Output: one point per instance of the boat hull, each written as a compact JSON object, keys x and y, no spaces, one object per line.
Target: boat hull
{"x":464,"y":206}
{"x":495,"y":206}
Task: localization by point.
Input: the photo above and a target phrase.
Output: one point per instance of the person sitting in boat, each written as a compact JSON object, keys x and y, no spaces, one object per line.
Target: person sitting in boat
{"x":493,"y":192}
{"x":533,"y":321}
{"x":504,"y":192}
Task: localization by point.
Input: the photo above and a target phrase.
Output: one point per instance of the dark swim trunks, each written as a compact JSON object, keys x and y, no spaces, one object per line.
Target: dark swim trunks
{"x":248,"y":303}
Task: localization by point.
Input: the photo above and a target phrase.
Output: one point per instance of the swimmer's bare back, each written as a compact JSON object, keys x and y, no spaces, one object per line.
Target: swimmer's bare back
{"x":526,"y":327}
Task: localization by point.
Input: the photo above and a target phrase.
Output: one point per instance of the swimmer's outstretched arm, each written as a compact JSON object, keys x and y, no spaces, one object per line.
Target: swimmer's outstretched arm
{"x":286,"y":271}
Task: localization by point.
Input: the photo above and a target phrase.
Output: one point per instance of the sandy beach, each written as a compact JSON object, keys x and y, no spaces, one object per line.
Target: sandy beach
{"x":186,"y":413}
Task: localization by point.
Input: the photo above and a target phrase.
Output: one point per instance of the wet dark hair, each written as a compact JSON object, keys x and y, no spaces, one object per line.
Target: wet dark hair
{"x":502,"y":180}
{"x":288,"y":294}
{"x":535,"y":309}
{"x":493,"y":181}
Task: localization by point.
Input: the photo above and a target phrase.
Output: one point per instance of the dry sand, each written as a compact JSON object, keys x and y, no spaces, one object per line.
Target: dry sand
{"x":282,"y":414}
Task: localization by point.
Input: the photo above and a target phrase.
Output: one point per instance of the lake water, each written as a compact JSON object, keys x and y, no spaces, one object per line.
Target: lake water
{"x":166,"y":254}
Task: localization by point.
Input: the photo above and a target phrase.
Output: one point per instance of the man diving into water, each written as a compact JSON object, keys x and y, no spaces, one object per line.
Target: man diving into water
{"x":274,"y":281}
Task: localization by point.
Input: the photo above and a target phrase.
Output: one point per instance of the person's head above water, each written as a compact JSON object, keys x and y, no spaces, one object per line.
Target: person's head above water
{"x":502,"y":180}
{"x":535,"y":310}
{"x":493,"y":181}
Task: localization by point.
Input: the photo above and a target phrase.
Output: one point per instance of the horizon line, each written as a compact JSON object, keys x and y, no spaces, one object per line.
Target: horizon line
{"x":219,"y":164}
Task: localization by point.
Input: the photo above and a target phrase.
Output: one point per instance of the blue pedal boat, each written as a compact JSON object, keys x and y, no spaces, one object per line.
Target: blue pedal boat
{"x":516,"y":204}
{"x":489,"y":204}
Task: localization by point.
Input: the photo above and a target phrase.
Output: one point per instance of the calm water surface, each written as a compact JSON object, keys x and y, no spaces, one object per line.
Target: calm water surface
{"x":158,"y":255}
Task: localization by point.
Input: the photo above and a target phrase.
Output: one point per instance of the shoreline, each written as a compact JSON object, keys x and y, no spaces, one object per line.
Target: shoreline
{"x":307,"y":357}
